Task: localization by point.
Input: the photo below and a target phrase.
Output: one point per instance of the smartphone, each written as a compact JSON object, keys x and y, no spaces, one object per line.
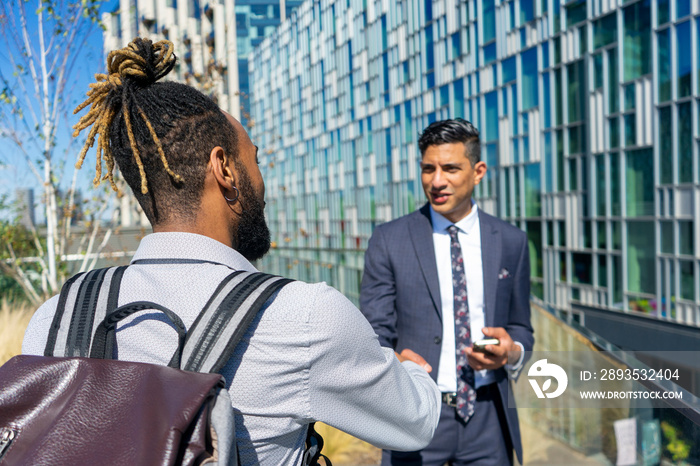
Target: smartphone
{"x":480,"y":345}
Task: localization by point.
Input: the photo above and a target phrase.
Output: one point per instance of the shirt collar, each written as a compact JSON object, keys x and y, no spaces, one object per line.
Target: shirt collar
{"x":191,"y":246}
{"x":440,"y":223}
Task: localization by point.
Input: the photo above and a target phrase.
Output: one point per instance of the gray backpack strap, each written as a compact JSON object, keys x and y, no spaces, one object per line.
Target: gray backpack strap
{"x":87,"y":296}
{"x":212,"y":338}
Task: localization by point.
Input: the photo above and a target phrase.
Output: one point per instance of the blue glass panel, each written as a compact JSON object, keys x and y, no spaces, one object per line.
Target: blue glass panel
{"x":684,"y":62}
{"x":508,"y":70}
{"x":545,"y":55}
{"x":488,"y":20}
{"x":527,"y":11}
{"x":491,"y":103}
{"x":429,"y":52}
{"x":459,"y":98}
{"x":548,"y":165}
{"x":546,"y":110}
{"x":528,"y":65}
{"x":664,"y":73}
{"x":663,"y":11}
{"x":682,"y":8}
{"x":685,"y":143}
{"x":489,"y":53}
{"x":637,"y":40}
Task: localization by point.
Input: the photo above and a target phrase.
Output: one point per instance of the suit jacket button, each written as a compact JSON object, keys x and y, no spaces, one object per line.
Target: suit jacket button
{"x":438,"y":340}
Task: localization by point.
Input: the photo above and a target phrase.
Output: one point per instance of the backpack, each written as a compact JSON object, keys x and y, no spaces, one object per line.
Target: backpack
{"x":76,"y":405}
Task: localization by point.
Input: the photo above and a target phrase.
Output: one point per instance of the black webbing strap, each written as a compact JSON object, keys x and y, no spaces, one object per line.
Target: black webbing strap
{"x":60,"y":309}
{"x":217,"y":322}
{"x":79,"y":333}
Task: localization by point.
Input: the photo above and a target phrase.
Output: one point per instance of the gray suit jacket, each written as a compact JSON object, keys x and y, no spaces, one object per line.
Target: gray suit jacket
{"x":400,"y":292}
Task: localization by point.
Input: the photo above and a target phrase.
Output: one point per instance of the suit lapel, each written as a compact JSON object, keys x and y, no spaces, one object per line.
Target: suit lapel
{"x":490,"y":261}
{"x":421,"y":231}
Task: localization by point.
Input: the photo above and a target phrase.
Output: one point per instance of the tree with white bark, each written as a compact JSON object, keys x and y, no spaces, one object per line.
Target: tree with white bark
{"x":41,"y":42}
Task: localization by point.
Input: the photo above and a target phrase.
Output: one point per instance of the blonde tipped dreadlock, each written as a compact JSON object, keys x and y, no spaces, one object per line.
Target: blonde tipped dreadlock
{"x":104,"y":101}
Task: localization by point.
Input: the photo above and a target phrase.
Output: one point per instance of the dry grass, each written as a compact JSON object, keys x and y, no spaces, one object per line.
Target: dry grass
{"x":344,"y":449}
{"x":14,"y":319}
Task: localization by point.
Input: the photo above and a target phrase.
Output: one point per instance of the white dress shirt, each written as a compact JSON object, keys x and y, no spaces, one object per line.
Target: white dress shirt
{"x":469,"y":235}
{"x":309,"y":356}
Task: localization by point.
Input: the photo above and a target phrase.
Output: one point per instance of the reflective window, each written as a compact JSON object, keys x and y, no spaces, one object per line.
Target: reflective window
{"x":665,"y":145}
{"x":558,"y":97}
{"x":636,"y":42}
{"x":685,"y":237}
{"x":597,"y":71}
{"x":429,"y":52}
{"x":682,"y":8}
{"x":630,"y":130}
{"x":600,"y":185}
{"x":602,"y":271}
{"x":664,"y":57}
{"x":488,"y":19}
{"x":613,"y":84}
{"x":459,"y":98}
{"x":630,"y":96}
{"x":605,"y":30}
{"x":490,"y":53}
{"x":615,"y":205}
{"x":533,"y":204}
{"x":685,"y":141}
{"x":641,"y":263}
{"x":491,"y":104}
{"x":602,"y":235}
{"x":529,"y":84}
{"x":667,"y":237}
{"x":575,"y":12}
{"x":582,"y":268}
{"x":684,"y":62}
{"x":546,"y":109}
{"x":508,"y":70}
{"x":527,"y":10}
{"x":614,"y":127}
{"x":456,"y":45}
{"x":687,"y":280}
{"x":663,"y":11}
{"x":534,"y":241}
{"x":640,"y":183}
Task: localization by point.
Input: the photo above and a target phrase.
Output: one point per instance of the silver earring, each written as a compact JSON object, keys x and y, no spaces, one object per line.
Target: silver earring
{"x":235,"y":198}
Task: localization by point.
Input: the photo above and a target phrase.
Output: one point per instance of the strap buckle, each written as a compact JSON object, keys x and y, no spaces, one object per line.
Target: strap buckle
{"x":450,"y":399}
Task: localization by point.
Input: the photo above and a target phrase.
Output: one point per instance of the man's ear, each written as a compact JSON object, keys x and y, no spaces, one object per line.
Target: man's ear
{"x":222,"y":168}
{"x":479,"y":171}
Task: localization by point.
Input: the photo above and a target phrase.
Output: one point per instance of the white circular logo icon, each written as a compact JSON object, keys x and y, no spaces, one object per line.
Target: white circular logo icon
{"x":544,"y":369}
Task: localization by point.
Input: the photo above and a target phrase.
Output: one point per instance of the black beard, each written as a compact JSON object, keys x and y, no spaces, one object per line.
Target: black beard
{"x":253,"y":235}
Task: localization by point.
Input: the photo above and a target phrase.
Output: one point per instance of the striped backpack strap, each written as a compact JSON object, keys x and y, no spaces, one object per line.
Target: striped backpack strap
{"x":212,"y":338}
{"x":87,"y":297}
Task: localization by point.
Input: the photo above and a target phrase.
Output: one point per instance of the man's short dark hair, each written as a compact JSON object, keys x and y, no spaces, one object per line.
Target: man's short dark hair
{"x":451,"y":132}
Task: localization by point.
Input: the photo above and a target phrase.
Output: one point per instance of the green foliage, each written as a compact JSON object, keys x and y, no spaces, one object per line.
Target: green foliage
{"x":676,"y":445}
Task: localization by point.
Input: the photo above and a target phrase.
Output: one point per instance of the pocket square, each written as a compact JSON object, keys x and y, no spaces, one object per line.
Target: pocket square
{"x":503,"y":274}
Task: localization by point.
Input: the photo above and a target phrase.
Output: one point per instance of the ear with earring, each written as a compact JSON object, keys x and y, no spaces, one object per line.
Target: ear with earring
{"x":235,"y":198}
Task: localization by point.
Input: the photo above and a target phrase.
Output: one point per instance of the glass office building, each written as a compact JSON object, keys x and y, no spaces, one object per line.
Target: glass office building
{"x":588,"y":112}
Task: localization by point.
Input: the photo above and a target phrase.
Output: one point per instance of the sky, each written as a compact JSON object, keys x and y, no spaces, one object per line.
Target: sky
{"x":14,"y":172}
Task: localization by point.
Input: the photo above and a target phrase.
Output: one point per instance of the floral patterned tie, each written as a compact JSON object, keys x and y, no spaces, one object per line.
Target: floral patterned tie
{"x":466,"y":395}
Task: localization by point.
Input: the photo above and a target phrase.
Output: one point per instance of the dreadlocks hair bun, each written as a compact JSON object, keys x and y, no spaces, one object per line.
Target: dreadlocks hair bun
{"x":141,"y":64}
{"x":142,"y":61}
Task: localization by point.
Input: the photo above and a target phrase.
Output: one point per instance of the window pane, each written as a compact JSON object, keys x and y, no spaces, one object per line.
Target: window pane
{"x":575,"y":12}
{"x":637,"y":45}
{"x":630,"y":130}
{"x":641,"y":263}
{"x":685,"y":237}
{"x":614,"y":133}
{"x":682,"y":8}
{"x":667,"y":237}
{"x":547,"y":110}
{"x":560,"y":160}
{"x":558,"y":98}
{"x":600,"y":186}
{"x":666,"y":145}
{"x":602,"y":271}
{"x":583,"y":268}
{"x":527,"y":11}
{"x":684,"y":61}
{"x":576,"y":90}
{"x":630,"y":97}
{"x":534,"y":241}
{"x":605,"y":31}
{"x":529,"y":69}
{"x":602,"y":239}
{"x":562,"y":234}
{"x":640,"y":183}
{"x":615,"y":206}
{"x":663,"y":11}
{"x":598,"y":71}
{"x":613,"y":85}
{"x":617,"y":280}
{"x":685,"y":140}
{"x":491,"y":102}
{"x":533,"y":207}
{"x":687,"y":280}
{"x":508,"y":70}
{"x":488,"y":20}
{"x":664,"y":44}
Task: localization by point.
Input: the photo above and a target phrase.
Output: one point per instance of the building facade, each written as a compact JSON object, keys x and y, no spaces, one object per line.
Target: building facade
{"x":588,"y":112}
{"x":212,"y":39}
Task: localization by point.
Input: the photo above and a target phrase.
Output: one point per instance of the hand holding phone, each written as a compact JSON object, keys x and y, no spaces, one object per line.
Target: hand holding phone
{"x":480,"y":345}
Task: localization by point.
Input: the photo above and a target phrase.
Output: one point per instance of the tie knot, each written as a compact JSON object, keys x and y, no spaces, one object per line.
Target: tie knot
{"x":453,"y":230}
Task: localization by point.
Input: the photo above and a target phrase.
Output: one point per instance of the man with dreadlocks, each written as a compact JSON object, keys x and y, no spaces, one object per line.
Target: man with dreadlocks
{"x":309,"y":355}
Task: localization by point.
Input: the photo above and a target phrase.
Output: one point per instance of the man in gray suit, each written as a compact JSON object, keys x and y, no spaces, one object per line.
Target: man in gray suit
{"x":441,"y":278}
